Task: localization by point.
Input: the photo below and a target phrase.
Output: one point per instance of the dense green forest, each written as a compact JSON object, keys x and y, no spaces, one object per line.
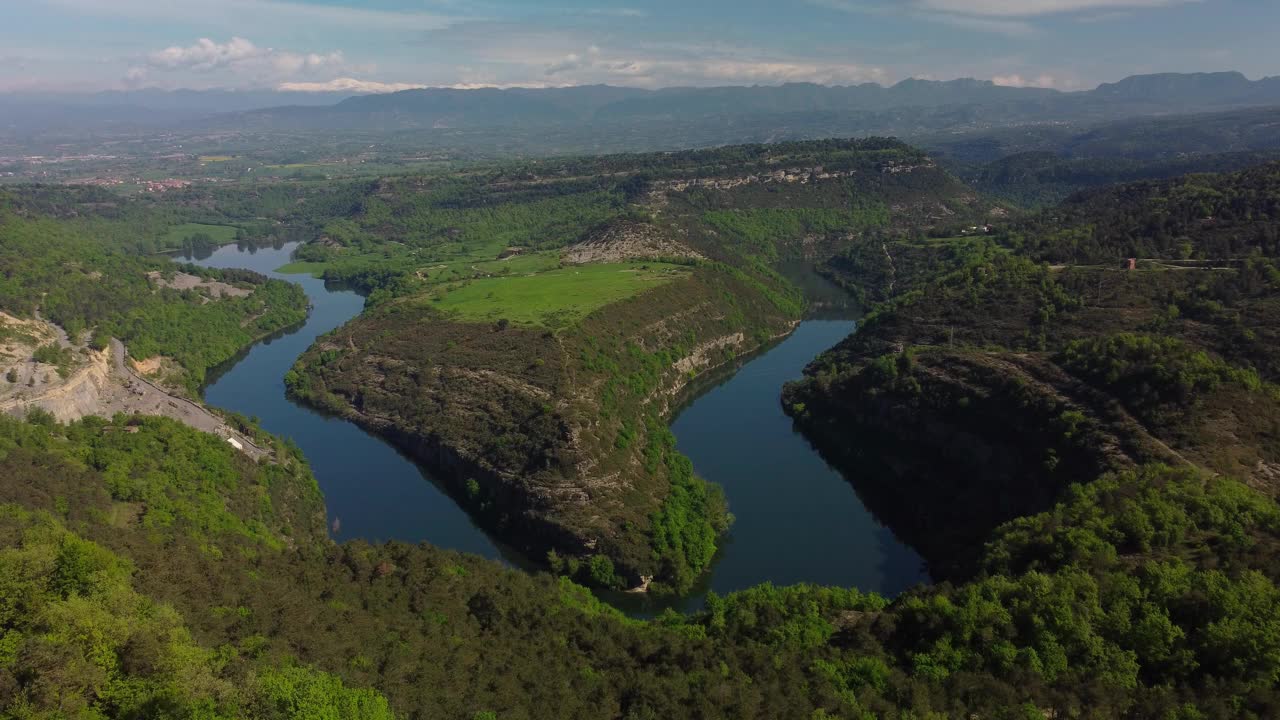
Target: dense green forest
{"x":1086,"y":455}
{"x":1041,"y":178}
{"x":84,"y":282}
{"x":1196,"y":217}
{"x":159,"y":573}
{"x":1004,"y":371}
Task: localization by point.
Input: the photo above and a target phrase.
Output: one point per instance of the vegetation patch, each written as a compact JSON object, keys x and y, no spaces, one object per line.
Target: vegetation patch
{"x":216,"y":234}
{"x":551,"y":299}
{"x":82,"y":283}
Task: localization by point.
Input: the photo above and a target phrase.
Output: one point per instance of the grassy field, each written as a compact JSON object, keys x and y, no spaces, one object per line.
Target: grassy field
{"x":315,"y":269}
{"x":554,"y":298}
{"x":220,"y":233}
{"x":215,"y":158}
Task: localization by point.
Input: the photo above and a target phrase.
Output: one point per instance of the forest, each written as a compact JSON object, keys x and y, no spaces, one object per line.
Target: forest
{"x":1125,"y":420}
{"x":1149,"y":593}
{"x":1110,"y":397}
{"x":85,"y":282}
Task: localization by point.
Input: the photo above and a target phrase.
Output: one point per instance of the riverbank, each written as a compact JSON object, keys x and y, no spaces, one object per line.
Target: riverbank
{"x":373,"y":492}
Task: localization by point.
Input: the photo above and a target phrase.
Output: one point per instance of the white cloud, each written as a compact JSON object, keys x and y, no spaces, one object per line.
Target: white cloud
{"x":1032,"y":8}
{"x":614,"y":12}
{"x":507,"y":54}
{"x":1015,"y":80}
{"x":290,"y":63}
{"x":242,"y":13}
{"x":574,"y":61}
{"x":1005,"y":17}
{"x":346,"y":84}
{"x":984,"y":24}
{"x":135,"y":77}
{"x":913,"y":10}
{"x":205,"y":54}
{"x":242,"y":57}
{"x":595,"y":65}
{"x":764,"y":71}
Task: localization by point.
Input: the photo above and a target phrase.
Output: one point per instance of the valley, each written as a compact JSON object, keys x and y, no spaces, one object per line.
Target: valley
{"x":541,"y":393}
{"x":807,"y":429}
{"x":372,"y":493}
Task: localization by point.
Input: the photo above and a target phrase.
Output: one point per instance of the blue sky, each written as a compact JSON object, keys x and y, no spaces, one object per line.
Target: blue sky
{"x":59,"y":45}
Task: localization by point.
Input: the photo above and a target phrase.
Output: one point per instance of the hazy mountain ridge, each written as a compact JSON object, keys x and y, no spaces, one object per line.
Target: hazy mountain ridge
{"x":910,"y":106}
{"x":1149,"y":94}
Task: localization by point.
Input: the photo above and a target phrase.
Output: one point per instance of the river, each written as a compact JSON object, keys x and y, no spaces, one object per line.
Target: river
{"x":797,"y":519}
{"x":371,"y":489}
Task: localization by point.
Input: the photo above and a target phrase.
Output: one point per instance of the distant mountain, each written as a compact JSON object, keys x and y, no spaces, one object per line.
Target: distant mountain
{"x":1141,"y":138}
{"x":1190,"y":88}
{"x":1043,"y":164}
{"x":141,"y":109}
{"x":936,"y":103}
{"x":695,"y":115}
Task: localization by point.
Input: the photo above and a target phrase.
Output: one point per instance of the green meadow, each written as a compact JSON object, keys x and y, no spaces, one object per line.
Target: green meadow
{"x":554,"y":298}
{"x":315,"y":269}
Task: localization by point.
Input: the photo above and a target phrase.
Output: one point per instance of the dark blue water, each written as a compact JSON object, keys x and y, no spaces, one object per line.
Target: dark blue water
{"x":372,"y":490}
{"x":798,"y":520}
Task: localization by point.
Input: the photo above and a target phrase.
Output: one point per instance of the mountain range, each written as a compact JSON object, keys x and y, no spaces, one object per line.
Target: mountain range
{"x":980,"y":100}
{"x":909,"y":107}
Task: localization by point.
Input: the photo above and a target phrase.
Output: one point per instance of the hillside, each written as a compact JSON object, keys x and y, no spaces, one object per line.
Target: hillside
{"x":172,"y":577}
{"x":540,"y":387}
{"x":75,"y":273}
{"x":1064,"y":442}
{"x":910,"y":100}
{"x":1032,"y":360}
{"x":1044,"y":164}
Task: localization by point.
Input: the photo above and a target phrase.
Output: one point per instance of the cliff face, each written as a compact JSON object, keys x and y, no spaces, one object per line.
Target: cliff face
{"x":42,"y":369}
{"x":83,"y":393}
{"x":952,"y":444}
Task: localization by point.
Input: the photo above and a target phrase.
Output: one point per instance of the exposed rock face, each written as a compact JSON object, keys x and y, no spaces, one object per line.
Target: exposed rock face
{"x":105,"y":385}
{"x":788,"y":176}
{"x":69,"y":392}
{"x":211,"y":288}
{"x":79,"y":395}
{"x":627,"y":241}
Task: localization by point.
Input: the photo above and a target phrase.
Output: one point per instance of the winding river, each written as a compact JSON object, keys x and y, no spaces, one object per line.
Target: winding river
{"x":797,"y":519}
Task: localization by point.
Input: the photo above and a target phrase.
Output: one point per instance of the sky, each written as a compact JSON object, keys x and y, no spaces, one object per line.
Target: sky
{"x":385,"y":45}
